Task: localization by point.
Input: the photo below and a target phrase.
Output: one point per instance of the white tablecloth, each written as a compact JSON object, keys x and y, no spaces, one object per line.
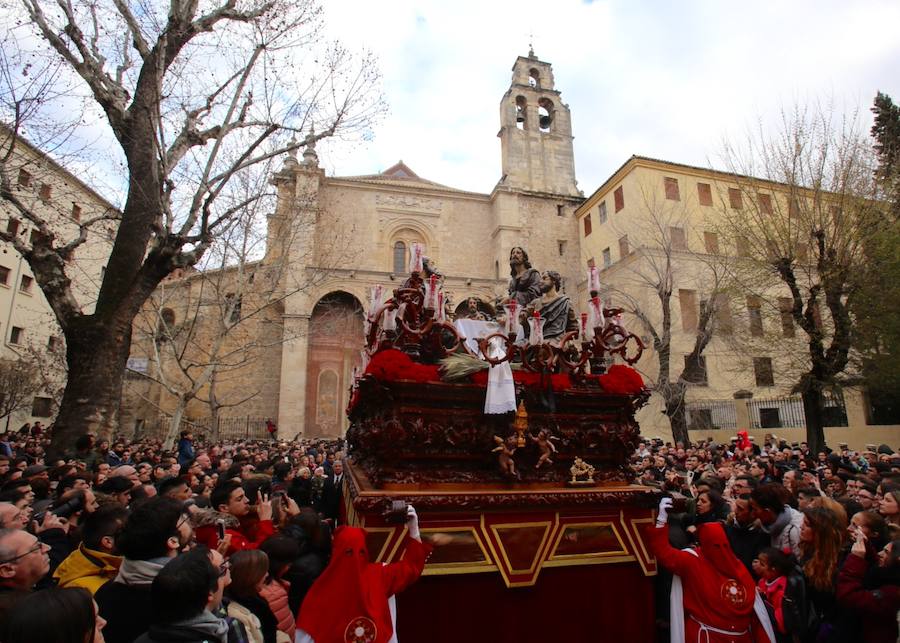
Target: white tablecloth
{"x":501,"y":390}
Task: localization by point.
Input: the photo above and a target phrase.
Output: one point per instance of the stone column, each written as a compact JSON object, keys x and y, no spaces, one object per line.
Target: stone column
{"x":292,"y":393}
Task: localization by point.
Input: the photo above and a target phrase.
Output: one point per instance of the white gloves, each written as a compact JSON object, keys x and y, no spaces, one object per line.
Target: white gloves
{"x":662,"y":517}
{"x":412,"y":523}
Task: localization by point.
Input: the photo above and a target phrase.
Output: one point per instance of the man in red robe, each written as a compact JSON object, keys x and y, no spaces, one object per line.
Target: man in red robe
{"x":714,"y":598}
{"x":352,"y":601}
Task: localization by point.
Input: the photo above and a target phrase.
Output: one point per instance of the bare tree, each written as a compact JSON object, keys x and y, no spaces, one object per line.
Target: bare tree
{"x":662,"y":243}
{"x":194,"y":95}
{"x":19,"y":381}
{"x":798,"y":209}
{"x":206,"y":331}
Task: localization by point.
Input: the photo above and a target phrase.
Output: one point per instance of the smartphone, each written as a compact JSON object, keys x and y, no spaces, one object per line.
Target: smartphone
{"x":220,"y":525}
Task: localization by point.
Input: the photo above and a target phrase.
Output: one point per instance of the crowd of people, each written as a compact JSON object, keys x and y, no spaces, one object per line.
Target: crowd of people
{"x":817,"y":536}
{"x":230,"y":542}
{"x":127,"y":541}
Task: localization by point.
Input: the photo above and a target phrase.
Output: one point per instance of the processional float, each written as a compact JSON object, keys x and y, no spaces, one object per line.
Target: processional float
{"x":530,"y":508}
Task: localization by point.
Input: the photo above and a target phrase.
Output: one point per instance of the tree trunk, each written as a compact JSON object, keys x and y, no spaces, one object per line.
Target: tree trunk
{"x":169,"y":442}
{"x":96,"y":352}
{"x":813,"y":404}
{"x":213,"y":411}
{"x":674,"y":399}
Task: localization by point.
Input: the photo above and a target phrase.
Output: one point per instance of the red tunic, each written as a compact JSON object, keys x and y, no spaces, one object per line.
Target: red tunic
{"x":348,"y":603}
{"x":712,"y":599}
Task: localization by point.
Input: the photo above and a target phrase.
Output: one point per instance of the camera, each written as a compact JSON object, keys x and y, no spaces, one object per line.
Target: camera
{"x":395,"y":514}
{"x":71,"y":506}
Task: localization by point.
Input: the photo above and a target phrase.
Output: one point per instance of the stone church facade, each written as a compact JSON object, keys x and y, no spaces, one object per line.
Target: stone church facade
{"x":336,"y":238}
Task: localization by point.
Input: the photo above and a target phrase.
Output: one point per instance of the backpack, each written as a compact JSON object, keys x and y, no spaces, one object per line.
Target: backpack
{"x":800,"y":617}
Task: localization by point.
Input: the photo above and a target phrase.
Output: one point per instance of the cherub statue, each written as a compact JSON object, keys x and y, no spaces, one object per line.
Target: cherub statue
{"x":545,"y":444}
{"x":582,"y":472}
{"x":506,"y":448}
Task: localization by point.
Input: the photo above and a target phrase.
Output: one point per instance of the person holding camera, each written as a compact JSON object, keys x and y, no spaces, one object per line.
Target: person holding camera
{"x":353,"y":599}
{"x":228,"y":519}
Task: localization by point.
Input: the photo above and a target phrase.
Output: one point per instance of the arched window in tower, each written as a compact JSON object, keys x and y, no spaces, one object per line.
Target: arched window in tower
{"x":520,"y":112}
{"x":399,"y":258}
{"x":545,"y":114}
{"x":534,"y":78}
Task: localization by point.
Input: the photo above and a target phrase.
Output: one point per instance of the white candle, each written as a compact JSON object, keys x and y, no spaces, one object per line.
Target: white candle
{"x":512,"y":318}
{"x":416,"y":252}
{"x":536,"y":329}
{"x":594,"y":279}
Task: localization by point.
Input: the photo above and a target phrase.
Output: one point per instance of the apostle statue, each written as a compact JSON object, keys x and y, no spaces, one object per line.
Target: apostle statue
{"x":525,"y":281}
{"x":557,"y":313}
{"x":473,"y":310}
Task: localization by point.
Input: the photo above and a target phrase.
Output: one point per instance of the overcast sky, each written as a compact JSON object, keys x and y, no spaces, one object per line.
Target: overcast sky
{"x":662,"y":79}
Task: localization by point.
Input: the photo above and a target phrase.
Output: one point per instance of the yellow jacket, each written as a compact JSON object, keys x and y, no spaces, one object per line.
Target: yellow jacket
{"x":87,"y":568}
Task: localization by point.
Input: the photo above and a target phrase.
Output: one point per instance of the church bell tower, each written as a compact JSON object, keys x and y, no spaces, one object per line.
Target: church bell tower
{"x":536,"y":132}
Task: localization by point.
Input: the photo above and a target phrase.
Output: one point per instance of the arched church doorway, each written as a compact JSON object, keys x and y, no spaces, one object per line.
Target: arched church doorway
{"x":335,"y":341}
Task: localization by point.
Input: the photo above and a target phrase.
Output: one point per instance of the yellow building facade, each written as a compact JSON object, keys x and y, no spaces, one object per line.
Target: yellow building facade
{"x":656,"y":226}
{"x":27,"y":323}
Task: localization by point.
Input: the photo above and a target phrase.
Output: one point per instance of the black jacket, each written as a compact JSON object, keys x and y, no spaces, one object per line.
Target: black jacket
{"x":127,"y":610}
{"x":330,"y":505}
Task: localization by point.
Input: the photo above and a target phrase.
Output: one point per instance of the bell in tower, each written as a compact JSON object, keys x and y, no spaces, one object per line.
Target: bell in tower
{"x":536,"y":132}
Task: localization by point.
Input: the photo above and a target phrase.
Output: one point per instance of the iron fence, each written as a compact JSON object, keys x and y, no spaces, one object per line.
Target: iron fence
{"x":230,"y":428}
{"x":711,"y":414}
{"x":787,"y":412}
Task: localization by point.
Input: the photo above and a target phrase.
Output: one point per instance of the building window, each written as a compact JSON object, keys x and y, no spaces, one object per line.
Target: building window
{"x":12,"y":226}
{"x":687,"y":299}
{"x":399,"y":257}
{"x":724,"y":321}
{"x":4,"y":275}
{"x":26,"y":283}
{"x":601,"y":213}
{"x":624,"y":250}
{"x":16,"y":335}
{"x":679,"y":240}
{"x":587,"y":224}
{"x":765,"y":204}
{"x":619,"y":198}
{"x":45,"y":192}
{"x":794,"y":207}
{"x":534,"y":78}
{"x":735,"y":199}
{"x":742,"y":245}
{"x":769,"y":418}
{"x":42,"y":407}
{"x":671,"y":186}
{"x":762,"y":370}
{"x":233,"y":307}
{"x":701,"y":420}
{"x":562,"y":247}
{"x":711,"y":241}
{"x":802,"y":253}
{"x":607,"y":258}
{"x":76,"y":212}
{"x":754,"y":313}
{"x":786,"y":308}
{"x":24,"y":178}
{"x":704,"y":193}
{"x":559,"y":210}
{"x":700,"y":377}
